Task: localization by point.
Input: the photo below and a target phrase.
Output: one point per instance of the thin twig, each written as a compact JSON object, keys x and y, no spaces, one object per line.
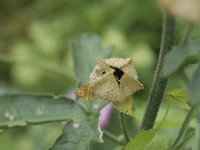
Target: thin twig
{"x":166,"y":113}
{"x":185,"y":140}
{"x":112,"y":137}
{"x":123,"y":126}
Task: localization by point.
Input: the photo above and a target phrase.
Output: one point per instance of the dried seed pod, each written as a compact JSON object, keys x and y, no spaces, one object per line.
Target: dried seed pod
{"x":113,"y":79}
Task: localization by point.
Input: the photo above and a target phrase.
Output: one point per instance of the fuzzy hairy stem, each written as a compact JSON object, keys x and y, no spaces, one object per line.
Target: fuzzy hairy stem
{"x":159,"y":83}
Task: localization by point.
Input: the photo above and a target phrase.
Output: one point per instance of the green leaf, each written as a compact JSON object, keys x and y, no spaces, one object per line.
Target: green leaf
{"x":194,"y":87}
{"x":141,"y":140}
{"x":21,"y":109}
{"x":158,"y":144}
{"x":181,"y":54}
{"x":77,"y":135}
{"x":86,"y":48}
{"x":168,"y":123}
{"x":180,"y":96}
{"x":196,"y":141}
{"x":184,"y":127}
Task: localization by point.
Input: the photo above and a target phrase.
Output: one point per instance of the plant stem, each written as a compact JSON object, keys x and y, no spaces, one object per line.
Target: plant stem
{"x":185,"y":140}
{"x":112,"y":137}
{"x":159,"y":83}
{"x":166,"y":113}
{"x":123,"y":126}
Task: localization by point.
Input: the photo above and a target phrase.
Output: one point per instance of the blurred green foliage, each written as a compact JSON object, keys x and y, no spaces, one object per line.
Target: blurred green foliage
{"x":39,"y":32}
{"x":35,"y":54}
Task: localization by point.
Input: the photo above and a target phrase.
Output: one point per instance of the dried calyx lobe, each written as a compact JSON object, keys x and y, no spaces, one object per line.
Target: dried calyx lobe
{"x":118,"y":73}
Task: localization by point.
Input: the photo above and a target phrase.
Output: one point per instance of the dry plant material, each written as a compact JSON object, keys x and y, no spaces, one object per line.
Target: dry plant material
{"x":186,"y":9}
{"x":113,"y":79}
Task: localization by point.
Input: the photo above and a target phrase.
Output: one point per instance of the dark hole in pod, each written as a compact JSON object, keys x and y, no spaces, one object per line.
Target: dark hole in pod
{"x":118,"y":74}
{"x":103,"y":72}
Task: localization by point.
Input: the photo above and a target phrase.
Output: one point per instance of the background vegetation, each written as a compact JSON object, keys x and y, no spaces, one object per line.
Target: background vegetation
{"x":36,"y":57}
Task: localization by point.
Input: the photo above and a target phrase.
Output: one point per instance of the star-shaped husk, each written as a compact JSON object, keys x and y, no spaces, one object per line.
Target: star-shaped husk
{"x":113,"y":79}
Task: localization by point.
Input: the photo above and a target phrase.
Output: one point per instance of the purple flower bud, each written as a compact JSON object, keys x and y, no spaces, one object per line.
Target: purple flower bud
{"x":105,"y":115}
{"x":71,"y":95}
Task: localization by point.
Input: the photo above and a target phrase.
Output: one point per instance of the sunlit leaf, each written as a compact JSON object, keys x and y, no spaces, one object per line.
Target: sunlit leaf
{"x":184,"y":106}
{"x":168,"y":123}
{"x":180,"y":55}
{"x":180,"y":96}
{"x":141,"y":141}
{"x":177,"y":95}
{"x":158,"y":144}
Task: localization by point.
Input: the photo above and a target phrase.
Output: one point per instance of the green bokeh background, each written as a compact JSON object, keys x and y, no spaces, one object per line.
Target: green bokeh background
{"x":35,"y":54}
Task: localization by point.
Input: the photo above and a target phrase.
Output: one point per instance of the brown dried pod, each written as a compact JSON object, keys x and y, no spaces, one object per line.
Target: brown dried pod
{"x":113,"y":79}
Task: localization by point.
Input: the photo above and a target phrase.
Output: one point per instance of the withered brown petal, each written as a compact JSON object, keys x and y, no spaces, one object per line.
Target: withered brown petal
{"x":84,"y":92}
